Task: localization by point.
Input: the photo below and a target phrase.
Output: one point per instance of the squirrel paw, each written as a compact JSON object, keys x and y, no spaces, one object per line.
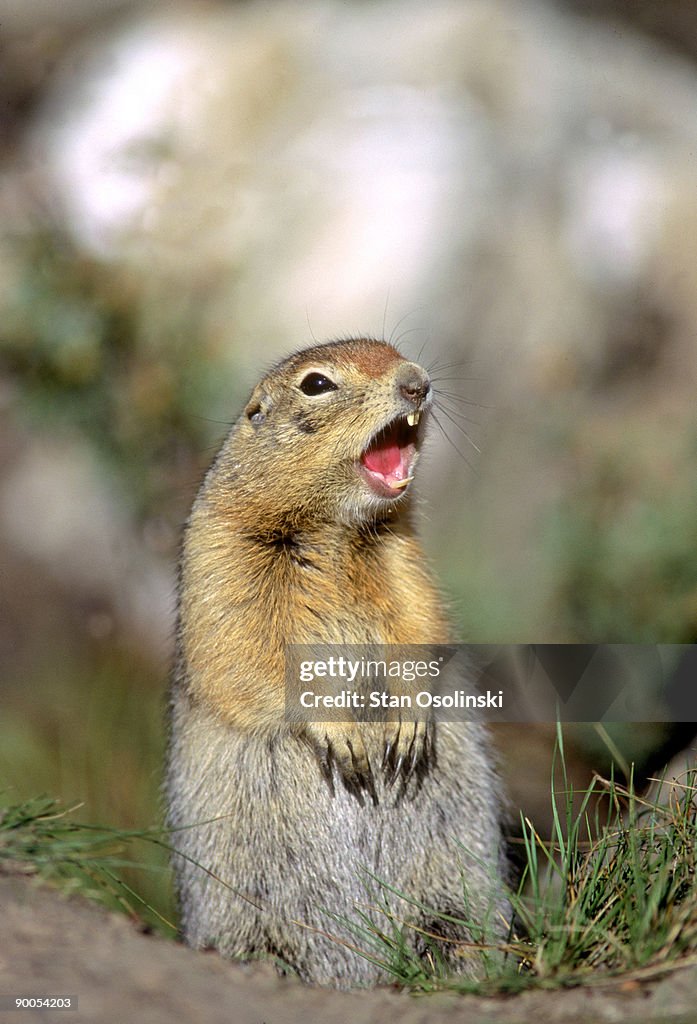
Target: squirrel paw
{"x":409,"y":747}
{"x":341,"y":743}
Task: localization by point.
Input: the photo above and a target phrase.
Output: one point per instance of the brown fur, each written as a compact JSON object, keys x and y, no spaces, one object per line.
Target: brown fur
{"x":286,"y":543}
{"x":328,"y":583}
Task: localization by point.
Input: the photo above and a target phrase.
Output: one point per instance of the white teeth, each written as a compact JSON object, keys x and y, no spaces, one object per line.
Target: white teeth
{"x":413,"y":418}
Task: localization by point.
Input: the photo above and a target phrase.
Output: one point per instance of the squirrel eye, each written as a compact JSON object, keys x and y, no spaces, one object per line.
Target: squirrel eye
{"x":316,"y":384}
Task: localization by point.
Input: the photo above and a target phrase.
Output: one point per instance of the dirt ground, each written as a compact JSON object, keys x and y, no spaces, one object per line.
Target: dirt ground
{"x":50,"y":944}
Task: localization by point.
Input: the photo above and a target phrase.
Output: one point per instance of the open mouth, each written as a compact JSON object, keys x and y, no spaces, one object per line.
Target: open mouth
{"x":387,"y":463}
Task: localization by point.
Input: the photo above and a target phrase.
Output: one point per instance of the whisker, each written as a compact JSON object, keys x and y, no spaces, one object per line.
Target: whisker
{"x":456,"y":380}
{"x":209,"y":419}
{"x":437,"y":367}
{"x":309,"y":325}
{"x":450,"y":441}
{"x":452,"y":397}
{"x":384,"y":314}
{"x":410,"y":330}
{"x":451,"y":394}
{"x":460,"y":428}
{"x":401,"y":320}
{"x":425,"y":343}
{"x":455,"y":412}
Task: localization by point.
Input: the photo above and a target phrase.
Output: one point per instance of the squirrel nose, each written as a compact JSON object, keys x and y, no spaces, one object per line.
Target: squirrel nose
{"x":413,"y":383}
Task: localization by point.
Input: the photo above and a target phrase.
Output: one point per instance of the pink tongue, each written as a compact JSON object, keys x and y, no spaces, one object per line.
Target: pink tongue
{"x":385,"y":460}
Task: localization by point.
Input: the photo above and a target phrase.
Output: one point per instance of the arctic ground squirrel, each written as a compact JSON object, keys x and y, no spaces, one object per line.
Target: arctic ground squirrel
{"x":288,"y":833}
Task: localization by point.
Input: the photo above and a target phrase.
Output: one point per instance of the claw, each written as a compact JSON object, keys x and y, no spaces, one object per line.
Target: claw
{"x":370,"y":787}
{"x":412,"y":761}
{"x":431,"y":752}
{"x":324,"y":759}
{"x":391,"y":746}
{"x":396,"y":771}
{"x":362,"y":779}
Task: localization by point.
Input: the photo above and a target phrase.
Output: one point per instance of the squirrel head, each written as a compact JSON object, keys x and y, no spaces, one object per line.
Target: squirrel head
{"x":332,"y":433}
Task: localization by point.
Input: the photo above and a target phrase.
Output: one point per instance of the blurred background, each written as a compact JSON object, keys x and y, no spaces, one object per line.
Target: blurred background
{"x":189,"y":191}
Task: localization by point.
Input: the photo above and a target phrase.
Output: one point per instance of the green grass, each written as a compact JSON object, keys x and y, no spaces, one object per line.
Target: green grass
{"x":613,"y":892}
{"x":89,"y":733}
{"x":40,"y":837}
